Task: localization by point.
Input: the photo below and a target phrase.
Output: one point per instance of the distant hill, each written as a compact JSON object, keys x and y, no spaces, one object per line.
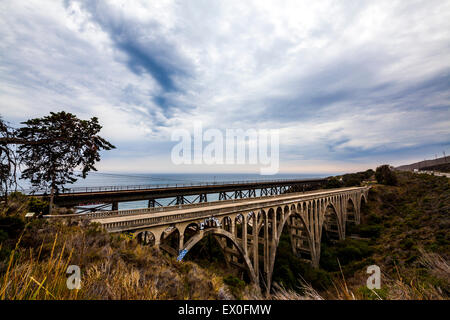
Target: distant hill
{"x":426,"y":164}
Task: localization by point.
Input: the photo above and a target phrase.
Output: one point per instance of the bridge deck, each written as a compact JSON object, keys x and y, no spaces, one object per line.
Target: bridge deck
{"x":221,"y":205}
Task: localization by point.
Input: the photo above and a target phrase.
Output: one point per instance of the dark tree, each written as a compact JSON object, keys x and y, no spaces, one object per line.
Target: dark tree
{"x":53,"y":147}
{"x":352,"y":179}
{"x":8,"y":159}
{"x":333,"y":182}
{"x":384,"y":175}
{"x":368,"y":173}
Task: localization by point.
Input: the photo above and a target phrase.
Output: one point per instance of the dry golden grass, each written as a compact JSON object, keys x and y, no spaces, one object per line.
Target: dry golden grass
{"x":112,"y":267}
{"x":309,"y":293}
{"x":28,"y":278}
{"x":392,"y":288}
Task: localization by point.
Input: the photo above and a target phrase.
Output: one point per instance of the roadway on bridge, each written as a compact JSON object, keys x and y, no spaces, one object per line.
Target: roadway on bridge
{"x":220,"y":205}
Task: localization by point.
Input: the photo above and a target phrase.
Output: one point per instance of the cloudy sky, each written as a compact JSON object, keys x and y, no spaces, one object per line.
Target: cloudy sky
{"x":349,"y":84}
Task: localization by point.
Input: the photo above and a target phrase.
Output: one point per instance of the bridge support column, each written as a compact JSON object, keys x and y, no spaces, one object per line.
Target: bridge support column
{"x":244,"y":234}
{"x":255,"y":246}
{"x":342,"y":216}
{"x":341,"y":220}
{"x":115,"y":206}
{"x":181,"y":242}
{"x":317,"y":232}
{"x":157,"y":242}
{"x":274,"y":226}
{"x":358,"y":212}
{"x":266,"y":251}
{"x":151,"y":203}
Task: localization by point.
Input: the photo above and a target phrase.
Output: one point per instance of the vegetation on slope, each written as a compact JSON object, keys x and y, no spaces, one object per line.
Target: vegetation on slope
{"x":34,"y":257}
{"x":405,"y":231}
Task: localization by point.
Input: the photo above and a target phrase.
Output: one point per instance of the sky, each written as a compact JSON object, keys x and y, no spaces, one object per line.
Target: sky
{"x":349,"y":84}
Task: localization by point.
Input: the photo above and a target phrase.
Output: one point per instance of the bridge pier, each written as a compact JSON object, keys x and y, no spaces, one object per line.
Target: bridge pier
{"x":255,"y":245}
{"x":115,"y":206}
{"x":244,"y":234}
{"x":180,"y":242}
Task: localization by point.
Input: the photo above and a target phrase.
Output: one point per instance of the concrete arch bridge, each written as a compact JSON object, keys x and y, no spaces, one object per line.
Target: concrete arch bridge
{"x":248,"y":230}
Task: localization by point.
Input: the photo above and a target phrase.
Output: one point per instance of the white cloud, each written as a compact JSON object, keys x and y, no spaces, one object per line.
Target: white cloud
{"x":335,"y":77}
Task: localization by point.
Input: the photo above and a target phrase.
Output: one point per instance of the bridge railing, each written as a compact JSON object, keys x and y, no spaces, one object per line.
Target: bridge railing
{"x":168,"y":185}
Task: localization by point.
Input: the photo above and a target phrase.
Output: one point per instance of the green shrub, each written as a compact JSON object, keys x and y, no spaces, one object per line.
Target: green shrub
{"x":333,"y":182}
{"x":372,"y":294}
{"x":406,"y":243}
{"x":235,"y":284}
{"x":384,"y":175}
{"x":12,"y":226}
{"x":348,"y":252}
{"x":37,"y":205}
{"x":370,"y":231}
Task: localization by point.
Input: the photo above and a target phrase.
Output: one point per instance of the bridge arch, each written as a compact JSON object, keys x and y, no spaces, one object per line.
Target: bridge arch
{"x":262,"y":215}
{"x":331,"y":222}
{"x":279,"y":214}
{"x":227,"y":224}
{"x":146,"y":237}
{"x":363,"y":197}
{"x":250,"y":223}
{"x":292,"y":209}
{"x":225,"y":234}
{"x":190,"y":230}
{"x":271,"y":223}
{"x":350,"y":214}
{"x":276,"y":240}
{"x":170,"y":239}
{"x":239,"y":222}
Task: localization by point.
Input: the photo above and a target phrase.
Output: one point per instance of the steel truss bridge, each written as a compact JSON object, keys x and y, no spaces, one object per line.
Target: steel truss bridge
{"x":109,"y":197}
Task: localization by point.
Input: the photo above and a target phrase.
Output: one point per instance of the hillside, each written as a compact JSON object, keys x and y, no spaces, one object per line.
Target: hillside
{"x":425,"y":164}
{"x":34,"y":257}
{"x":404,"y":230}
{"x":445,"y":167}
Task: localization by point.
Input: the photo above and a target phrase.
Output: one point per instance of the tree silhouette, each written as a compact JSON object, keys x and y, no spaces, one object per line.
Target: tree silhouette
{"x":8,"y":159}
{"x":53,"y":147}
{"x":384,"y":175}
